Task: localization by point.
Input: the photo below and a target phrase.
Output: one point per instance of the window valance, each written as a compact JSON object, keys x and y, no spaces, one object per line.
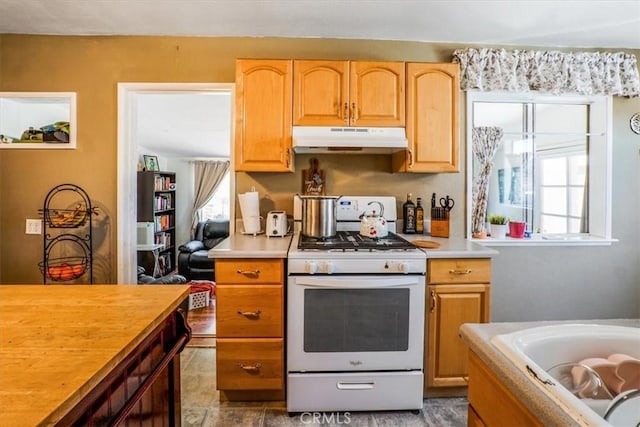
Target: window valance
{"x":548,"y":71}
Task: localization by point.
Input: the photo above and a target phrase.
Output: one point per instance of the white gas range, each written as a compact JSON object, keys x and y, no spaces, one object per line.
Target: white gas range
{"x":355,"y":316}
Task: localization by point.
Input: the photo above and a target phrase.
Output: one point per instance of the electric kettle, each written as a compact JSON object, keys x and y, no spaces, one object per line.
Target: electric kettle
{"x":276,"y":224}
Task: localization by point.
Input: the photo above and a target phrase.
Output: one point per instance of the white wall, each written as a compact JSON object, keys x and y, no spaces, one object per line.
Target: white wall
{"x":588,"y":282}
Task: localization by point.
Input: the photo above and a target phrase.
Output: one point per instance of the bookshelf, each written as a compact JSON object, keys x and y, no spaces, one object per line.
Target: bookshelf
{"x":156,"y":204}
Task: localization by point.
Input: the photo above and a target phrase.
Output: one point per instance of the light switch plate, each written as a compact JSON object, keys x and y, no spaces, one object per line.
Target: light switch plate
{"x":34,"y":226}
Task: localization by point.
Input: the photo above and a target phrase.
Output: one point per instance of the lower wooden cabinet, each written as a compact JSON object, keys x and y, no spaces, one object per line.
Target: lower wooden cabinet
{"x":491,"y":403}
{"x":250,"y":364}
{"x":250,"y":328}
{"x":458,"y":292}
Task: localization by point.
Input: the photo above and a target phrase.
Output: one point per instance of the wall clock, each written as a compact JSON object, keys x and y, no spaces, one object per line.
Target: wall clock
{"x":634,"y":122}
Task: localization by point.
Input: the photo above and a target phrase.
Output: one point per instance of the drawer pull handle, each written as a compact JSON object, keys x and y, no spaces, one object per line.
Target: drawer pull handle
{"x":355,"y":386}
{"x":254,"y":273}
{"x":251,"y":368}
{"x":251,"y":314}
{"x":460,"y":272}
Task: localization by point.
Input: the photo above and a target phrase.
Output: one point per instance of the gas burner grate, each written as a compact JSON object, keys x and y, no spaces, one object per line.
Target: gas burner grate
{"x":353,"y":241}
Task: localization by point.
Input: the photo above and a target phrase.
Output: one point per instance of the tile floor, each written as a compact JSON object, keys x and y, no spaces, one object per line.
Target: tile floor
{"x":201,"y":405}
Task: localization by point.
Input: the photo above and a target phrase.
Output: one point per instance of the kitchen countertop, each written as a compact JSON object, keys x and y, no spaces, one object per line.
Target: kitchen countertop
{"x":59,"y":341}
{"x":250,"y":246}
{"x":478,"y":338}
{"x":260,"y":246}
{"x":452,"y":247}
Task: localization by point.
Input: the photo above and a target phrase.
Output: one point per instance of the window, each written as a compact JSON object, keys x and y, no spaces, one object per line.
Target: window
{"x":552,"y":168}
{"x":218,"y":205}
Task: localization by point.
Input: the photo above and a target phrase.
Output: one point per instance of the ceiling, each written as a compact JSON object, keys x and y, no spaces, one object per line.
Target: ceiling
{"x":603,"y":24}
{"x":184,"y":124}
{"x":561,"y":23}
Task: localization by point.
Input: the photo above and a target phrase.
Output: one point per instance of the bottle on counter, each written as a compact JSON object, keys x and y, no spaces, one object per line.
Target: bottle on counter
{"x":419,"y":216}
{"x":409,"y":215}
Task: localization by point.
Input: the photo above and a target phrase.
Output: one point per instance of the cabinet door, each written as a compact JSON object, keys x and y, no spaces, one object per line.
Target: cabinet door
{"x":377,"y":93}
{"x":263,"y":116}
{"x":432,"y":119}
{"x":250,"y":364}
{"x":459,"y":270}
{"x":249,"y":271}
{"x":250,"y":311}
{"x":320,"y":93}
{"x":449,"y":307}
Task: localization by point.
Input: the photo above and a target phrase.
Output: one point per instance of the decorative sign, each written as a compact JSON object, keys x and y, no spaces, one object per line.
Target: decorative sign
{"x":313,"y":180}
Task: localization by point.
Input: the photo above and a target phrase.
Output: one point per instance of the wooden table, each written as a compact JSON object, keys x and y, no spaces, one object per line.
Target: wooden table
{"x":81,"y":353}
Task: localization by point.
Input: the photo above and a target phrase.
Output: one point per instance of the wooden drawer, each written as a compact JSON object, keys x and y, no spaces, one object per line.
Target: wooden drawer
{"x":468,"y":270}
{"x":250,"y":364}
{"x":249,"y":271}
{"x":249,"y":311}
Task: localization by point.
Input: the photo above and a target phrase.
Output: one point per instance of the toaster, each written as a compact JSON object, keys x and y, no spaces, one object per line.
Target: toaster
{"x":276,"y":224}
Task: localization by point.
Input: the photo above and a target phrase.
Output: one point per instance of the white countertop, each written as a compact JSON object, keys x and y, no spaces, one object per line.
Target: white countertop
{"x":478,"y":338}
{"x":452,"y":247}
{"x":260,"y":246}
{"x":250,"y":246}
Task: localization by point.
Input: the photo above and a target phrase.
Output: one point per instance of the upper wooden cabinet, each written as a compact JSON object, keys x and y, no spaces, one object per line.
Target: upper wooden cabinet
{"x":263,"y":116}
{"x":432,"y":119}
{"x":348,"y":93}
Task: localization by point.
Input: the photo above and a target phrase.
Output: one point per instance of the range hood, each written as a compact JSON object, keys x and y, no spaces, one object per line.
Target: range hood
{"x":348,"y":140}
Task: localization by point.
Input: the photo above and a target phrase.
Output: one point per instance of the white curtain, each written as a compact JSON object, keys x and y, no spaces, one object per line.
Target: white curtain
{"x":584,"y":73}
{"x":208,"y":175}
{"x":486,"y":141}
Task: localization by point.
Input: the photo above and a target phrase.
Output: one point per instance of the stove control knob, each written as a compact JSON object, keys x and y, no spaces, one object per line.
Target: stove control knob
{"x":404,"y":267}
{"x":328,"y":267}
{"x":311,"y":267}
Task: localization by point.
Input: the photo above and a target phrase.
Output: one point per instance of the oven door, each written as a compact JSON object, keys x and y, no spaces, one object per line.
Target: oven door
{"x":355,"y":323}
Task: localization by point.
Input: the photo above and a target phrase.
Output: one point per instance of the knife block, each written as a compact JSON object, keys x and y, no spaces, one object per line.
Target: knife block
{"x":439,"y":223}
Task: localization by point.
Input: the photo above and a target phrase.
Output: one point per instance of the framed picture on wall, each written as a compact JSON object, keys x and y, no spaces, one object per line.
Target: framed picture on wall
{"x":151,"y":163}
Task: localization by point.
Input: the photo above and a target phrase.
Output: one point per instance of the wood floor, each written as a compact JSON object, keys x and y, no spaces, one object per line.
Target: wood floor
{"x":203,"y":326}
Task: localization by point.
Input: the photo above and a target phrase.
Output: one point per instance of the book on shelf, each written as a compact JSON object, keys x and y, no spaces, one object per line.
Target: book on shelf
{"x":163,"y":202}
{"x":163,"y":222}
{"x":162,"y":183}
{"x":163,"y":238}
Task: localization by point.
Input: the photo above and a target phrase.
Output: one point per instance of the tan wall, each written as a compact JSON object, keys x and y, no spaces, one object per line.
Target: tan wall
{"x":93,"y":66}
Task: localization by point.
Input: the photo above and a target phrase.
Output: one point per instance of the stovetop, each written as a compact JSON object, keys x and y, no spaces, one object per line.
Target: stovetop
{"x":353,"y":241}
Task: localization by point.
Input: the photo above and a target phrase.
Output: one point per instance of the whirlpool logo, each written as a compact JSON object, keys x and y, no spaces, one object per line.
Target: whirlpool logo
{"x":332,"y":418}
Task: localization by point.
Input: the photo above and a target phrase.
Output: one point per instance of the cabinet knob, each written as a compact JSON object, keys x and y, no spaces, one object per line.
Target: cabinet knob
{"x":288,"y":157}
{"x":250,"y":314}
{"x":346,"y":113}
{"x":354,"y":113}
{"x":432,"y":305}
{"x":410,"y":155}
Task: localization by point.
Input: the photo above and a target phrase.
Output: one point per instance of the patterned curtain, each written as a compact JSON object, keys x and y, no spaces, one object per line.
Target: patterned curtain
{"x":594,"y":73}
{"x":486,"y":141}
{"x":208,"y":175}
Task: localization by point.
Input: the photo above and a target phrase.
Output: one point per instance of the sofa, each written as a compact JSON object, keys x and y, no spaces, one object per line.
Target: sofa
{"x":193,"y":260}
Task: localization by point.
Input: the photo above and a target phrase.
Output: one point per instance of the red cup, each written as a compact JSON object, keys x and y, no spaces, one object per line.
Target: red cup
{"x":516,"y":229}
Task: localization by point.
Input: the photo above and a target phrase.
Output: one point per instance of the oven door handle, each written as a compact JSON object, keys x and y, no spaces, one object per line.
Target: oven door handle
{"x":347,"y":283}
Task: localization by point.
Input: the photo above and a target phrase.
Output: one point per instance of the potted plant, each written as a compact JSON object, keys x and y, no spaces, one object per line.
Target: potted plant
{"x":498,"y":225}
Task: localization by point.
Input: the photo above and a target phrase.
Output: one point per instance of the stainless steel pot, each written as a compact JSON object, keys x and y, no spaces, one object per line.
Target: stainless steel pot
{"x":319,"y":215}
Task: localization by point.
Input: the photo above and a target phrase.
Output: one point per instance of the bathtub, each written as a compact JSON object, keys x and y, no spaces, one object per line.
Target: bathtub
{"x":537,"y":349}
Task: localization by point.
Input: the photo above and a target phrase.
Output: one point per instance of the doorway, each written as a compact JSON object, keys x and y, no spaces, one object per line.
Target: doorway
{"x":129,"y":95}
